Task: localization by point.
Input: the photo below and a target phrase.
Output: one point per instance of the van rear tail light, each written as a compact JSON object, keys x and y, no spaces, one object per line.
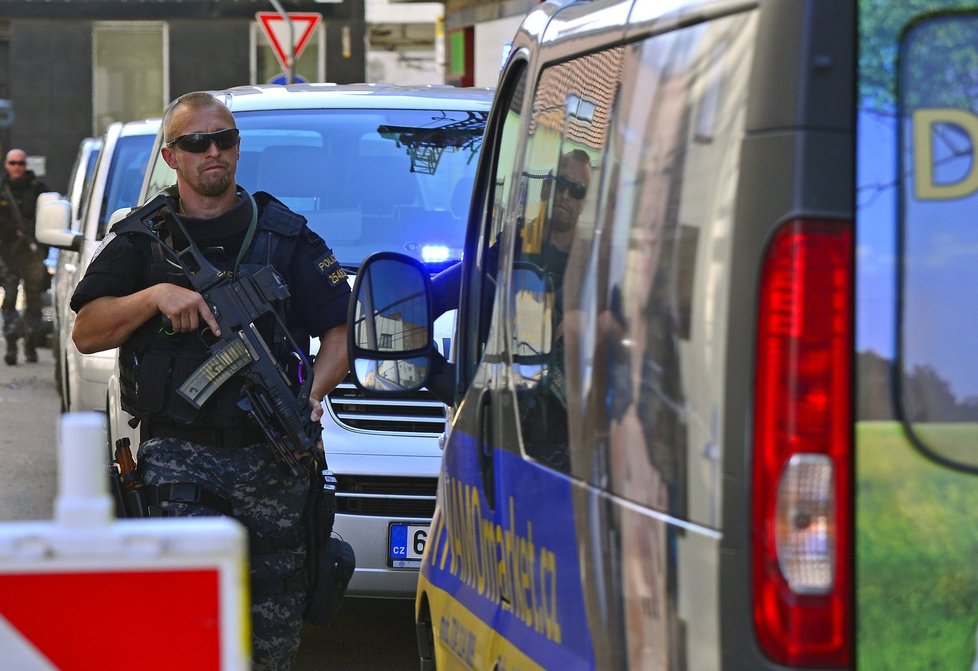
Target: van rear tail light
{"x":802,"y":447}
{"x":804,"y":536}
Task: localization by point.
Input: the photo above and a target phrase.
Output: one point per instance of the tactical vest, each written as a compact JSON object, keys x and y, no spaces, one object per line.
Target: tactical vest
{"x":153,"y":363}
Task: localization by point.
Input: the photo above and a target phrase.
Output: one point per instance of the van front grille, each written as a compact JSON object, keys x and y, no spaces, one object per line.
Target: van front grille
{"x":380,"y":496}
{"x":416,"y":413}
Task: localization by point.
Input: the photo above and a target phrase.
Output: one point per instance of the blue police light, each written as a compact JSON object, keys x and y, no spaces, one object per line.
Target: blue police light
{"x":434,"y":253}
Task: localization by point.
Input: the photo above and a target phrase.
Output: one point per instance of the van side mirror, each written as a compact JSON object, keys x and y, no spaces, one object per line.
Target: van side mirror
{"x":390,"y":333}
{"x":53,"y":223}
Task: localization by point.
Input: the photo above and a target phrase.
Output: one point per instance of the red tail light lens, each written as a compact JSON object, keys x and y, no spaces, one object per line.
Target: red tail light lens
{"x":802,"y":504}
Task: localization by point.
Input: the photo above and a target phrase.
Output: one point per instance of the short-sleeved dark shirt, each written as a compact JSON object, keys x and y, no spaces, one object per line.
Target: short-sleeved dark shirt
{"x":318,"y":288}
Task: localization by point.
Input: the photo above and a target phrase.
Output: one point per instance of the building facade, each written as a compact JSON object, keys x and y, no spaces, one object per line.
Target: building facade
{"x":69,"y":68}
{"x":477,"y":35}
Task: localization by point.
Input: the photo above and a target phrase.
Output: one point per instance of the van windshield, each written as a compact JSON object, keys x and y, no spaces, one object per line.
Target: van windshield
{"x":125,"y":176}
{"x":368,"y":180}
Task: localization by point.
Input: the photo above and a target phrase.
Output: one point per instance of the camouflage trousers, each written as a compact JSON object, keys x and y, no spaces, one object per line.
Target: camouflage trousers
{"x":269,"y":502}
{"x":19,"y":264}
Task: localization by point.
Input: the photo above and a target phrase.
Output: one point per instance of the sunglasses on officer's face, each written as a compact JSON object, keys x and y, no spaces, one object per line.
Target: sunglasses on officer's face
{"x":16,"y":162}
{"x":196,"y":143}
{"x":576,"y":190}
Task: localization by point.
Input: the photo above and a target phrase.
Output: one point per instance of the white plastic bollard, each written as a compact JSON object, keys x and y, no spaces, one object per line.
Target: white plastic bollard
{"x":83,"y":496}
{"x":68,"y":587}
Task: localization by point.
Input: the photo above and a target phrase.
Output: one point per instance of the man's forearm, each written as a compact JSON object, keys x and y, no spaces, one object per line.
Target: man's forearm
{"x":108,"y":322}
{"x":331,"y":362}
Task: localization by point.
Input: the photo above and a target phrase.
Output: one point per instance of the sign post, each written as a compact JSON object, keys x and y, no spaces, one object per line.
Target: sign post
{"x":88,"y":592}
{"x":288,"y":33}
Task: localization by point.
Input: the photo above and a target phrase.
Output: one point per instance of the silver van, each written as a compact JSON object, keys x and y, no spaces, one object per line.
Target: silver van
{"x":370,"y":167}
{"x":714,"y":399}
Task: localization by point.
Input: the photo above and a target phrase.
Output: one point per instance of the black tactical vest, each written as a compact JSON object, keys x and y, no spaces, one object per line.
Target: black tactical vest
{"x":153,"y":363}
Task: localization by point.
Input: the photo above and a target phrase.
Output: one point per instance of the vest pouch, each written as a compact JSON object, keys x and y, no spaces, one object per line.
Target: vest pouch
{"x":333,"y":567}
{"x":150,"y":376}
{"x":330,"y":560}
{"x":156,"y":378}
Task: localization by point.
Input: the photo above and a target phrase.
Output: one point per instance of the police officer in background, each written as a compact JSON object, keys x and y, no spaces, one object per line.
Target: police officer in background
{"x":218,"y":451}
{"x":23,"y":258}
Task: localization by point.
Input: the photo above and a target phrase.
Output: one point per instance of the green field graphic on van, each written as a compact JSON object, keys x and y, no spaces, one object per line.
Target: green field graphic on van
{"x":917,"y":588}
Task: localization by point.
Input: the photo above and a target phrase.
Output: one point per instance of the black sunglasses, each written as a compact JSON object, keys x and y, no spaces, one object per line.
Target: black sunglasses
{"x":16,"y":162}
{"x":196,"y":143}
{"x":577,"y":190}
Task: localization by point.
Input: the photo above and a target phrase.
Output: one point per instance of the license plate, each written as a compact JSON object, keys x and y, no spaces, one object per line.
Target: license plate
{"x":405,"y":544}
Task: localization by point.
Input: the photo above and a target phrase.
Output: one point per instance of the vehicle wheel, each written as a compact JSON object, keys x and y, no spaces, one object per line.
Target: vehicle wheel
{"x":57,"y":375}
{"x":65,"y":386}
{"x":109,"y":440}
{"x":426,"y":639}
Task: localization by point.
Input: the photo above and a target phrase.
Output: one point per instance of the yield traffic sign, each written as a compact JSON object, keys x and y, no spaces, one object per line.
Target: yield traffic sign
{"x":277,"y":32}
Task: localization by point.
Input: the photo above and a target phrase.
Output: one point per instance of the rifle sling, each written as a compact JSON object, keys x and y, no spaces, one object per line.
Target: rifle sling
{"x":15,"y":209}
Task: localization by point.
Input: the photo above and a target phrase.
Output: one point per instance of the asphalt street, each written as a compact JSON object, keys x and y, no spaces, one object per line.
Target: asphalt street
{"x":369,"y":634}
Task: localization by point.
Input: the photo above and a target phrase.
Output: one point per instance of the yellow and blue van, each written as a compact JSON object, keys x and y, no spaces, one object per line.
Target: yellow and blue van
{"x":714,"y":400}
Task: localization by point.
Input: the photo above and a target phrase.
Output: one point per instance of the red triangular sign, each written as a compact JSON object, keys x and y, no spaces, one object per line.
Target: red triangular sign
{"x":277,"y":32}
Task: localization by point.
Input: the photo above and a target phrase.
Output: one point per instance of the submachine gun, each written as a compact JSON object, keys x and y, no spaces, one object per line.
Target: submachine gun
{"x":279,"y":408}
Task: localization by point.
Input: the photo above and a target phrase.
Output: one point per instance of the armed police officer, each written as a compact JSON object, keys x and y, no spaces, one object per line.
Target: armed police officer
{"x":22,"y":256}
{"x":216,"y":459}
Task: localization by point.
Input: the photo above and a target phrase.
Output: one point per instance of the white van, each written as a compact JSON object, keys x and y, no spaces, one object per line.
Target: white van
{"x":113,"y":184}
{"x":715,"y":400}
{"x":79,"y":181}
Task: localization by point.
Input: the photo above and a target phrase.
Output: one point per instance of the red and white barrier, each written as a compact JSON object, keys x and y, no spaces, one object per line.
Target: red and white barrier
{"x":86,"y":591}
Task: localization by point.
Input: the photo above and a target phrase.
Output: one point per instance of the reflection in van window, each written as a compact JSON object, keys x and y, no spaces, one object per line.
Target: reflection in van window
{"x":482,"y":296}
{"x":568,"y":130}
{"x":668,"y":237}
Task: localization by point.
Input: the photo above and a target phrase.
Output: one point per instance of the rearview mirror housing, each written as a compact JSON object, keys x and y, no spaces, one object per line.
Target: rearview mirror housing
{"x":390,"y":327}
{"x":53,"y":223}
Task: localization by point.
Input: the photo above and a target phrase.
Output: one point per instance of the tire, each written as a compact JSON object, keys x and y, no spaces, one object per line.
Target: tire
{"x":426,"y":640}
{"x":65,"y":385}
{"x":57,"y":375}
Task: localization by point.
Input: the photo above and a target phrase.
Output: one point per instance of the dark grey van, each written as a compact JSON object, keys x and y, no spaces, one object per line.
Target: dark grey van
{"x":714,"y":400}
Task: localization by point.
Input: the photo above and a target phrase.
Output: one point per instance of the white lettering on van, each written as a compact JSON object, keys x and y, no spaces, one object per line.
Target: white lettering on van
{"x":500,"y":563}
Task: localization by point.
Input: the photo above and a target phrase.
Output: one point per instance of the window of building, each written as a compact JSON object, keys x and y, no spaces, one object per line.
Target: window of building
{"x":130,"y":79}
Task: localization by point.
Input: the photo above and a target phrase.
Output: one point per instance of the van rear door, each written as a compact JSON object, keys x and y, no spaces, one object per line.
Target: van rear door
{"x":917,"y":316}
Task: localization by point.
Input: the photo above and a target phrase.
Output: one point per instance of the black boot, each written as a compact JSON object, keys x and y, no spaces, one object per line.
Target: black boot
{"x":11,"y":356}
{"x":30,"y":349}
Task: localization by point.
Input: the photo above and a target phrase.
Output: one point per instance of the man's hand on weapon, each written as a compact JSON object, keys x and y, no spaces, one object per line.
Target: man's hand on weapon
{"x":184,"y":308}
{"x":316,"y":406}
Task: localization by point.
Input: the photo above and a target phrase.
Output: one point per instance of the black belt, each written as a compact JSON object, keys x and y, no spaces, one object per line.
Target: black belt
{"x":181,"y":492}
{"x":205,"y":435}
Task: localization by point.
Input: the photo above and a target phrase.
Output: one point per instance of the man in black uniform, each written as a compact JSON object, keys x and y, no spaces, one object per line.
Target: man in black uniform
{"x":219,"y":450}
{"x":22,"y":257}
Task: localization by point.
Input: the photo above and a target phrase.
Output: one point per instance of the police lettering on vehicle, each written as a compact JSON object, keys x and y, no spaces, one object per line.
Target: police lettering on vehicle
{"x":330,"y":268}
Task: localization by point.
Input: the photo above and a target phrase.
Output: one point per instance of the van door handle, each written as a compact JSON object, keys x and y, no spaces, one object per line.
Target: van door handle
{"x":486,"y":443}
